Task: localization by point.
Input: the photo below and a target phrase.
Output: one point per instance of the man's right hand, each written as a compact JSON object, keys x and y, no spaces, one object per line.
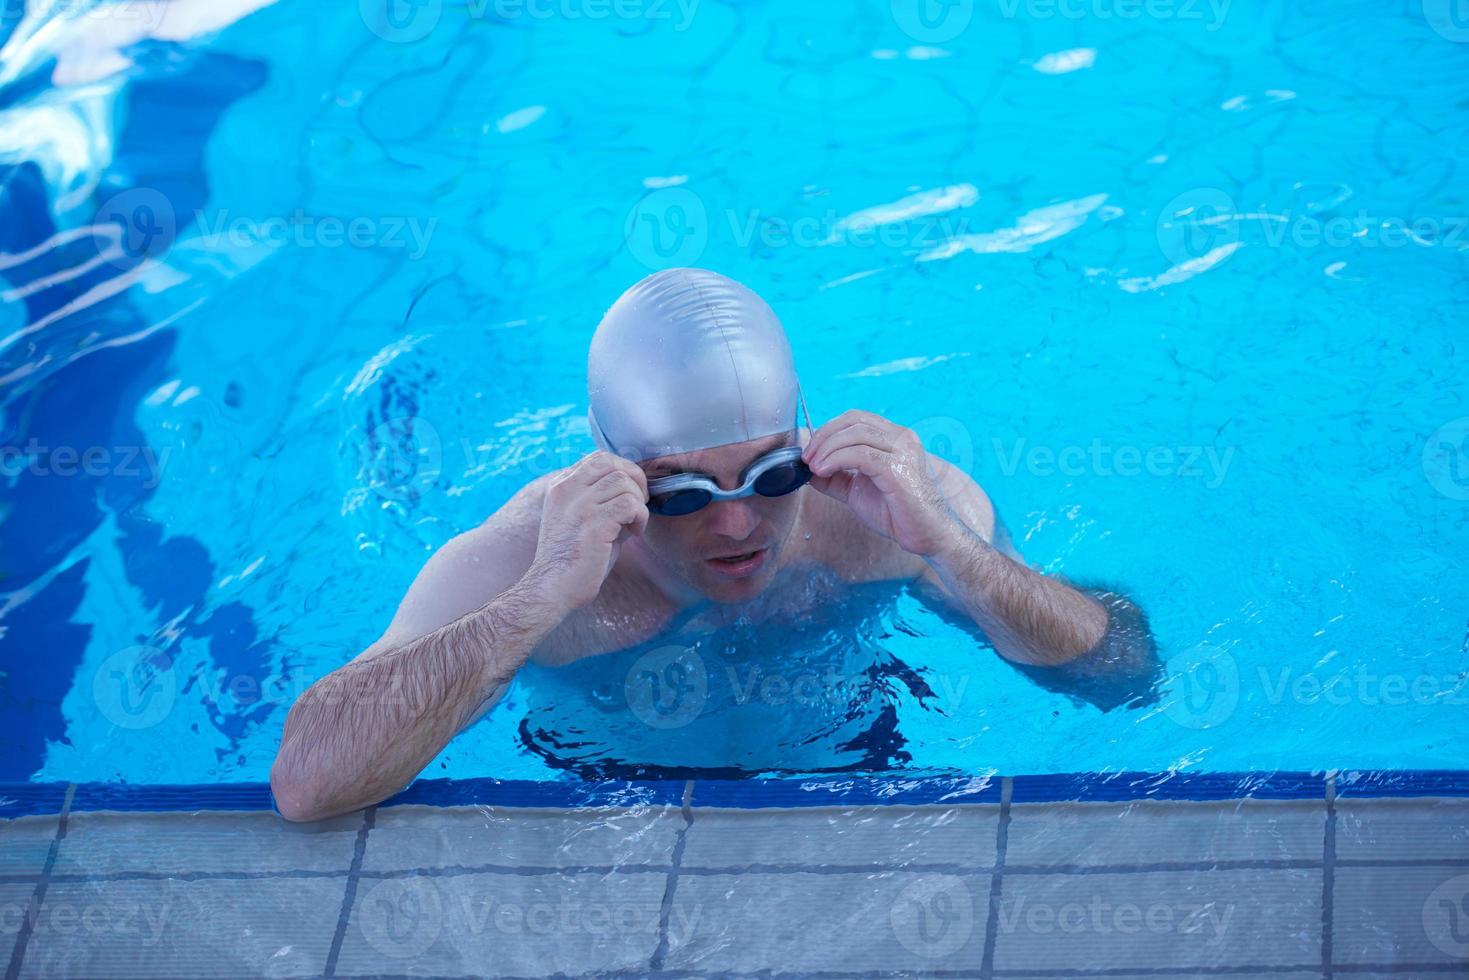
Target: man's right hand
{"x":588,"y":512}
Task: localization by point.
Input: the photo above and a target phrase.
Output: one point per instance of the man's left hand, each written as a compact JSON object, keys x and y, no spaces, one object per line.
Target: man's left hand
{"x":881,"y":471}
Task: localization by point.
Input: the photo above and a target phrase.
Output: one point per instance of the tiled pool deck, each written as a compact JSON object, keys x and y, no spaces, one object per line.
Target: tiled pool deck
{"x":1369,"y":877}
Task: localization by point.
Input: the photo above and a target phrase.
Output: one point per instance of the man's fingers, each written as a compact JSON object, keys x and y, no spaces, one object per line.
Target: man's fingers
{"x":857,"y":434}
{"x":615,"y":482}
{"x":845,"y":427}
{"x":870,"y":461}
{"x":595,"y":467}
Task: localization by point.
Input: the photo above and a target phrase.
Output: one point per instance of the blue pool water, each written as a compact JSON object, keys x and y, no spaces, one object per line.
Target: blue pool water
{"x":291,"y":295}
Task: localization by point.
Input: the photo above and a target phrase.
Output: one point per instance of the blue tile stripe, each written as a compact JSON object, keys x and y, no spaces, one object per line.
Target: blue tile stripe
{"x":23,"y":799}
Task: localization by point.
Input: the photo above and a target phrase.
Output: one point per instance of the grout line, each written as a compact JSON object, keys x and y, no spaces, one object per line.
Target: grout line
{"x":997,"y":880}
{"x":1328,"y":877}
{"x":38,"y":894}
{"x":1162,"y":973}
{"x":660,"y":954}
{"x":708,"y":871}
{"x":349,"y":894}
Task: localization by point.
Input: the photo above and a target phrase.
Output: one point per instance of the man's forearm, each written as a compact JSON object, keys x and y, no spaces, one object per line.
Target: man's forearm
{"x":1030,"y":618}
{"x":363,"y":732}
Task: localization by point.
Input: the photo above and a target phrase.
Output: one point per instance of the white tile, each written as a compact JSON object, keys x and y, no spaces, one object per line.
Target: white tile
{"x":1388,"y":915}
{"x":858,"y":836}
{"x":1402,"y":829}
{"x":891,"y":920}
{"x":24,"y":844}
{"x":487,"y":925}
{"x":269,"y":927}
{"x":407,"y":837}
{"x":1154,"y":832}
{"x":1170,"y":919}
{"x":105,"y":843}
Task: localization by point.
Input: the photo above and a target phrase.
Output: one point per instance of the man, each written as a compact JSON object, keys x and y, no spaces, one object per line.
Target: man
{"x":696,"y":496}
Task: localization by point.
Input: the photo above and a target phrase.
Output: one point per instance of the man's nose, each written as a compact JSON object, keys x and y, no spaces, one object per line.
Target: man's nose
{"x":733,"y":518}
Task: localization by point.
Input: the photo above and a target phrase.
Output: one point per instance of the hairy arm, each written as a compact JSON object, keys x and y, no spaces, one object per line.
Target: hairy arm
{"x":362,"y":732}
{"x":1091,"y":643}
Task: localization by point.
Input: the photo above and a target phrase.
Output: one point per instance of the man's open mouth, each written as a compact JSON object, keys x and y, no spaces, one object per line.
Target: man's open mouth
{"x":741,"y":564}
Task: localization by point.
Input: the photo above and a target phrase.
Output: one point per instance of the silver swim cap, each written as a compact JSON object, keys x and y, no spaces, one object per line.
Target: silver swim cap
{"x":686,"y":360}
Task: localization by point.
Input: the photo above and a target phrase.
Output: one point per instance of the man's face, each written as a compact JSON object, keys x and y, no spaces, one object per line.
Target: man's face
{"x":692,"y":544}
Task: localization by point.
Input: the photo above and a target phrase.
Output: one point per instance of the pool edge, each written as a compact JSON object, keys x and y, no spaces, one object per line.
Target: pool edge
{"x":28,"y":799}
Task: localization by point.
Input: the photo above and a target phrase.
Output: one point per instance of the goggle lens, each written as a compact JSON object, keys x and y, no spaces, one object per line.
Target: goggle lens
{"x":679,"y":503}
{"x":783,"y":479}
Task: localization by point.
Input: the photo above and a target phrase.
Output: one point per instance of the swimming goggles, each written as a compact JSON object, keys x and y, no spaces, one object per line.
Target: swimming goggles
{"x":773,"y":475}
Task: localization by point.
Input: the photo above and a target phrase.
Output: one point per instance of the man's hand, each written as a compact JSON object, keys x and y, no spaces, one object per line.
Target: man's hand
{"x":880,"y":470}
{"x":589,"y":511}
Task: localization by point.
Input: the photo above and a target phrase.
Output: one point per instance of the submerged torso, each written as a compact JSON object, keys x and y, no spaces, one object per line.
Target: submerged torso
{"x":798,"y":681}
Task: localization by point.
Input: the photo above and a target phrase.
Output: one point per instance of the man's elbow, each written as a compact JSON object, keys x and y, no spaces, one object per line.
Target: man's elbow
{"x":296,"y":798}
{"x":302,"y":796}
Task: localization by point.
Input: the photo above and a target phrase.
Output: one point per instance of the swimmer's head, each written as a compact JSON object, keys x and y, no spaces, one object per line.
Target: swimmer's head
{"x":691,"y":372}
{"x":687,"y":360}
